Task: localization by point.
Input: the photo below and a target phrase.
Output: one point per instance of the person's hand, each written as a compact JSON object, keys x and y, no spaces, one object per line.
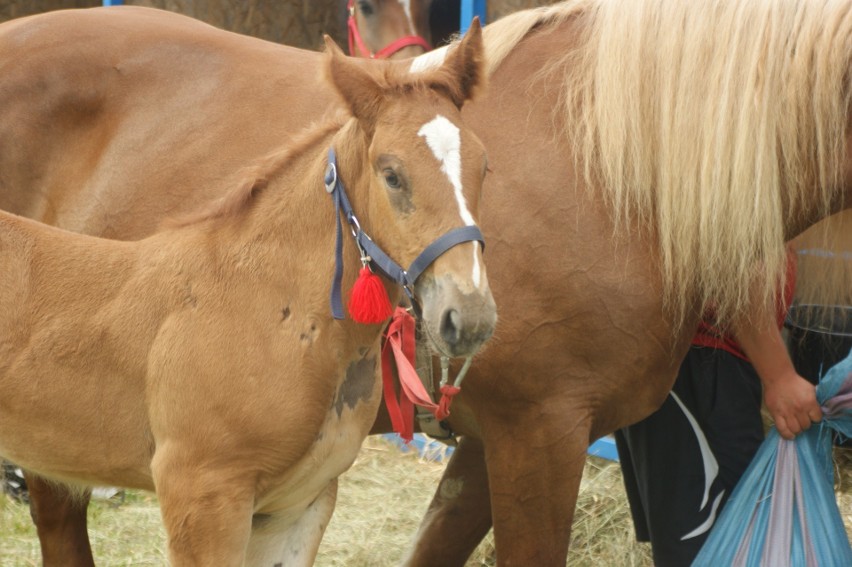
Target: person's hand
{"x":791,"y":400}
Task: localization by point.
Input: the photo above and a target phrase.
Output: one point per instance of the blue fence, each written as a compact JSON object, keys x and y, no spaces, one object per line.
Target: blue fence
{"x":432,"y":450}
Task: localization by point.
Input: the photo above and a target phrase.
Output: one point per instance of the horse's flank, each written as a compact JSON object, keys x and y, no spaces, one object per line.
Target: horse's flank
{"x":63,"y":312}
{"x":713,"y":124}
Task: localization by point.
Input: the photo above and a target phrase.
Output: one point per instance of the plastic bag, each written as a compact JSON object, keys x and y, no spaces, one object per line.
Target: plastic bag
{"x":783,"y":511}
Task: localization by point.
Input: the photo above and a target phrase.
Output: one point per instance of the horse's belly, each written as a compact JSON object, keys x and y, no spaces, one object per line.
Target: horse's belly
{"x":59,"y":433}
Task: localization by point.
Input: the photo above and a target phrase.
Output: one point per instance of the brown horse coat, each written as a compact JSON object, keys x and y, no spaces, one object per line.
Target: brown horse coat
{"x":584,"y":345}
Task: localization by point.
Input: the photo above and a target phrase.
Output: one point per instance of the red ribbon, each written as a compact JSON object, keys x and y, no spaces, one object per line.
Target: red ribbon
{"x":400,"y":348}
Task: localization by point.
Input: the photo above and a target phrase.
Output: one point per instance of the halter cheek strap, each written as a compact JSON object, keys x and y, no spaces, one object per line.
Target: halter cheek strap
{"x":372,"y":253}
{"x":355,"y":40}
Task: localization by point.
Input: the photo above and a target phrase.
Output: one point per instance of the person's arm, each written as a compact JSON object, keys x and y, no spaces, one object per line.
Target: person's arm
{"x":790,"y":399}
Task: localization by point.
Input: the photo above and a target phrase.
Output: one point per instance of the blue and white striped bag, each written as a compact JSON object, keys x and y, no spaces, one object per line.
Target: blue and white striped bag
{"x":783,"y":512}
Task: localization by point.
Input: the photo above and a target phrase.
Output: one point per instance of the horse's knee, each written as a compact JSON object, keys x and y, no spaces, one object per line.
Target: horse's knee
{"x":207,"y":512}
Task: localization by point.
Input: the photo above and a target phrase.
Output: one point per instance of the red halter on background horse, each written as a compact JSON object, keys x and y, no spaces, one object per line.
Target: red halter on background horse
{"x":591,"y":267}
{"x":387,"y":19}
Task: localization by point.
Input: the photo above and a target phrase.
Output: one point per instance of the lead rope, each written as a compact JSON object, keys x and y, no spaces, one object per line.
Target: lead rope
{"x":399,"y":351}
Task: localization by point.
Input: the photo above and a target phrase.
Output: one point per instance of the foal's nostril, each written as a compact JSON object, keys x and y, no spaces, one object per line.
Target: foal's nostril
{"x":451,"y":327}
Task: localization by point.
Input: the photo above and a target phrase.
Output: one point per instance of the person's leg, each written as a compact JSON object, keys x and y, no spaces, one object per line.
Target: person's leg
{"x":678,"y":476}
{"x":730,"y":416}
{"x":631,"y":487}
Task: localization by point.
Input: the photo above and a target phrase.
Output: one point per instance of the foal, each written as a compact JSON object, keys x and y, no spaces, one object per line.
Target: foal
{"x":203,"y":362}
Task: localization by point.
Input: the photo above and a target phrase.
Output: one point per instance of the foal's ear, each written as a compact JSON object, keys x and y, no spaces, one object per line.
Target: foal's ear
{"x":466,"y":63}
{"x":356,"y":85}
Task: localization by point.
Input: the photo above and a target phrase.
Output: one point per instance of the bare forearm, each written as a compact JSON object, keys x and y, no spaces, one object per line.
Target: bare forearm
{"x":790,"y":399}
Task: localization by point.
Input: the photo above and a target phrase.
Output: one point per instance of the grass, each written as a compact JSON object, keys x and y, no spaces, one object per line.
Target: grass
{"x":380,"y":503}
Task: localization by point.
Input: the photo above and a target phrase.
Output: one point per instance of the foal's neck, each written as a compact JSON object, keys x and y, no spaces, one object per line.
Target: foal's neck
{"x":287,"y":224}
{"x":295,"y":200}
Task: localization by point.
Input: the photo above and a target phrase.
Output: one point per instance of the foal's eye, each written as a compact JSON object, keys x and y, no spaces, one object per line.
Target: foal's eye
{"x":392,"y":179}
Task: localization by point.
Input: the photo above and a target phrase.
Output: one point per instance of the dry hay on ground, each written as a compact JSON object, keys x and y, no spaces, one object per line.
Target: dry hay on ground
{"x":380,"y":503}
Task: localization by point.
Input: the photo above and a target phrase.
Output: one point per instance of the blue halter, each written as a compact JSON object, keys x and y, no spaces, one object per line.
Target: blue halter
{"x":371,"y":252}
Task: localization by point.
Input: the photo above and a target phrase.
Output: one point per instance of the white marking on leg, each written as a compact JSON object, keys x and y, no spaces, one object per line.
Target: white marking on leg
{"x":292,"y":537}
{"x":443,"y":138}
{"x":429,"y":60}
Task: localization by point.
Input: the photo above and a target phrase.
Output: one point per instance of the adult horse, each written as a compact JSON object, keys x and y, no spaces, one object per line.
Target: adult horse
{"x":203,"y":362}
{"x":627,"y":190}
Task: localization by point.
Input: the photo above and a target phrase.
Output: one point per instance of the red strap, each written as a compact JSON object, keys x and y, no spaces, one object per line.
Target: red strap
{"x":385,"y":52}
{"x":448,"y":392}
{"x":355,"y":36}
{"x":394,"y":335}
{"x":402,"y":43}
{"x":400,"y":347}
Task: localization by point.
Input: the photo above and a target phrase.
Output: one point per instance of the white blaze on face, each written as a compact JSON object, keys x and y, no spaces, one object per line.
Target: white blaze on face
{"x":406,"y":6}
{"x":444,"y":139}
{"x":429,"y":60}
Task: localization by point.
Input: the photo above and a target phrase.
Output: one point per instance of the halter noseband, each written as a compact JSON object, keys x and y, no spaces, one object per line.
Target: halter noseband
{"x":373,"y":254}
{"x":385,"y":52}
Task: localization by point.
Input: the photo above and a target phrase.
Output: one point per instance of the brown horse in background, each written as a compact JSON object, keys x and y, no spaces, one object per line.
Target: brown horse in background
{"x":626,"y":192}
{"x":397,"y":29}
{"x":203,"y":362}
{"x":383,"y":29}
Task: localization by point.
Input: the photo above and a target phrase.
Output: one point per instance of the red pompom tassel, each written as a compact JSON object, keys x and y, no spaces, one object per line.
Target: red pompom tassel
{"x":369,"y":302}
{"x":448,"y":392}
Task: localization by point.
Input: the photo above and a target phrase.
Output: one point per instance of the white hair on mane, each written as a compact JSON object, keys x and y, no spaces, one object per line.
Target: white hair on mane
{"x":715,"y":124}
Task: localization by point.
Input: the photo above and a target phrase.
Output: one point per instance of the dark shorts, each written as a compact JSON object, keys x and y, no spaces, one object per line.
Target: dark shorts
{"x":681,"y":463}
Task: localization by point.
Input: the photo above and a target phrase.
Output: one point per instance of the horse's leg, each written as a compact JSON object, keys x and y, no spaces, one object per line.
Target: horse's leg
{"x":279,"y":541}
{"x":60,"y":519}
{"x":535,"y":458}
{"x":207,"y":511}
{"x":460,"y":513}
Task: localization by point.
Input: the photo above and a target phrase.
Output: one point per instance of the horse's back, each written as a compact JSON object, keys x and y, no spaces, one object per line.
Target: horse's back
{"x":60,"y":295}
{"x":17,"y":249}
{"x":50,"y":275}
{"x":87,"y":92}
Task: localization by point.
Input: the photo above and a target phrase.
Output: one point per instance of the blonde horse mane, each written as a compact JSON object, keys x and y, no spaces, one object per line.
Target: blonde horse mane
{"x":503,"y":35}
{"x":704,"y":122}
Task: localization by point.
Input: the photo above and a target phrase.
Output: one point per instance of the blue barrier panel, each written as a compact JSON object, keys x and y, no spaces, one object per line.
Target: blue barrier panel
{"x":469,"y":9}
{"x":432,"y":450}
{"x":604,"y":448}
{"x":113,"y":2}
